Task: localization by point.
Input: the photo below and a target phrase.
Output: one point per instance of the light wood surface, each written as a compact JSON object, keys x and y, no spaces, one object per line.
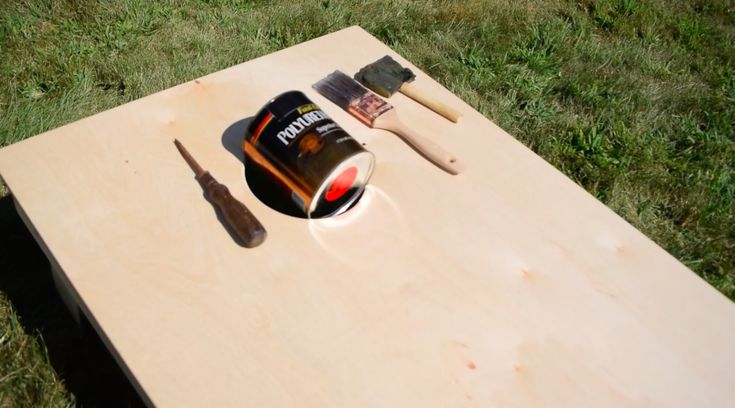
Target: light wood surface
{"x":506,"y":285}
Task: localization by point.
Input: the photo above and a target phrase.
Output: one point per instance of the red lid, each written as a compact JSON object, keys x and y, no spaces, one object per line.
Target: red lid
{"x":341,"y":184}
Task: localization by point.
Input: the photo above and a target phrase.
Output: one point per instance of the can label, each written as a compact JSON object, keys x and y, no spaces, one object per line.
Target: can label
{"x":309,"y":116}
{"x":307,"y":127}
{"x":304,"y":148}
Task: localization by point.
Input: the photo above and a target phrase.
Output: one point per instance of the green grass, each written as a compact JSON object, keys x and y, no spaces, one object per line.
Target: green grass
{"x":634,"y":100}
{"x":26,"y":376}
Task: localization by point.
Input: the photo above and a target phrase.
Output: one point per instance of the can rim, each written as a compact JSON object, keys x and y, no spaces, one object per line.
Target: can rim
{"x":331,"y":177}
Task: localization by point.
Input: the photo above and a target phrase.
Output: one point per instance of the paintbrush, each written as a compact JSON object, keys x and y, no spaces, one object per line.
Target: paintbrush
{"x":386,"y":76}
{"x":375,"y":112}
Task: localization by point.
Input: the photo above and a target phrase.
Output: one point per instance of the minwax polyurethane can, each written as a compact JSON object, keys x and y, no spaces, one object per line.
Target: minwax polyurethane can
{"x":323,"y":167}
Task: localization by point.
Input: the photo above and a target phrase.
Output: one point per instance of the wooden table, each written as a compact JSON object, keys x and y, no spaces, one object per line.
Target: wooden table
{"x":507,"y":285}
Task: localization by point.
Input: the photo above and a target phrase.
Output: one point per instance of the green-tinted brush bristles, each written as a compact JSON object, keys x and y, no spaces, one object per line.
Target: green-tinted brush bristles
{"x":384,"y":76}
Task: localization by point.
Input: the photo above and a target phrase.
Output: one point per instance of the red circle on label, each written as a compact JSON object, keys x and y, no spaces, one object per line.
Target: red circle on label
{"x":341,"y":184}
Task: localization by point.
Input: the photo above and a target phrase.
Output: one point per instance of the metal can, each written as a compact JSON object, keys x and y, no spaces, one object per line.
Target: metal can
{"x":322,"y":166}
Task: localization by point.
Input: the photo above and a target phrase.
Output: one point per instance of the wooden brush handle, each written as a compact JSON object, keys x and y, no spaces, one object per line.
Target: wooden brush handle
{"x":242,"y":222}
{"x":432,"y":151}
{"x":430,"y":101}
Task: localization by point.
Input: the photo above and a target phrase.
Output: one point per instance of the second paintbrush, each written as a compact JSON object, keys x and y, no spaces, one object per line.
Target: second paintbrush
{"x":375,"y":112}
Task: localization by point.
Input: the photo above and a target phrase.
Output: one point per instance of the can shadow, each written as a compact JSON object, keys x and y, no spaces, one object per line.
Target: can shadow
{"x":259,"y":181}
{"x":76,"y":352}
{"x":233,"y":136}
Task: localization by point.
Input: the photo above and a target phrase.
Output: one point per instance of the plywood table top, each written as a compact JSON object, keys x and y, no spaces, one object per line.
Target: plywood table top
{"x":507,"y":285}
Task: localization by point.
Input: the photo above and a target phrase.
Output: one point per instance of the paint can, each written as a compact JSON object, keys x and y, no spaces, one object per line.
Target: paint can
{"x":323,"y":168}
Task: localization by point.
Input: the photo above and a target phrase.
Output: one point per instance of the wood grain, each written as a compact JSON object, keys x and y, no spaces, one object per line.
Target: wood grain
{"x":506,"y":285}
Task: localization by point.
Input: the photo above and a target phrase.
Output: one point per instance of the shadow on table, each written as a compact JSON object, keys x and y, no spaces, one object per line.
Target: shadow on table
{"x":76,"y":352}
{"x":260,"y":183}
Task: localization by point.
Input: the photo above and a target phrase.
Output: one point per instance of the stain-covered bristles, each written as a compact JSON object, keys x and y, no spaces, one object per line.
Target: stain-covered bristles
{"x":340,"y":89}
{"x":349,"y":95}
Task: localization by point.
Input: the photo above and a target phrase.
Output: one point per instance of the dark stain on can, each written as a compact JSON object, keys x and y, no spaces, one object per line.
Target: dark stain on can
{"x":320,"y":166}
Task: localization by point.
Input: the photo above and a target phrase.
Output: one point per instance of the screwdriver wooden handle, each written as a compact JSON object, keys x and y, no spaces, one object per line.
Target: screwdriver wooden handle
{"x":242,"y":222}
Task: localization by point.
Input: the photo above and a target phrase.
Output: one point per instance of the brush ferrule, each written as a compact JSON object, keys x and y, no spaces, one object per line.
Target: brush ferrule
{"x":368,"y":108}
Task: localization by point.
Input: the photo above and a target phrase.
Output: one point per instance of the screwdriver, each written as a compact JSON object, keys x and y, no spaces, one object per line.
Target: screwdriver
{"x":237,"y":216}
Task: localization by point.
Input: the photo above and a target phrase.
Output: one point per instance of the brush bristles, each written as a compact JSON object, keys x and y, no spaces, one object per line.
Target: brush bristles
{"x":340,"y":89}
{"x":349,"y":95}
